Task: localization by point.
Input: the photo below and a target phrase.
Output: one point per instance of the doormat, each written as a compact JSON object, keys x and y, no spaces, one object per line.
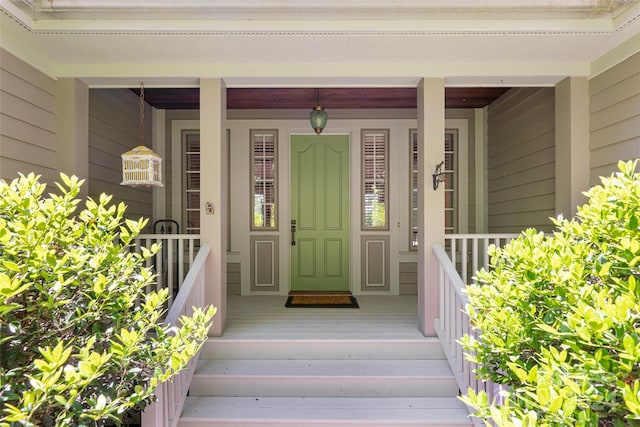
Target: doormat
{"x":322,"y":300}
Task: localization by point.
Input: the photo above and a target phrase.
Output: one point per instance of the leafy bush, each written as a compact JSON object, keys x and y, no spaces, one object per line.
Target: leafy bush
{"x":559,"y":317}
{"x":80,"y":339}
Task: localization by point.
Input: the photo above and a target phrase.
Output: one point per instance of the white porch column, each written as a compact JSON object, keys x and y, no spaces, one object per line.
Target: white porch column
{"x":572,"y":144}
{"x":213,"y":195}
{"x":430,"y":203}
{"x":72,"y":130}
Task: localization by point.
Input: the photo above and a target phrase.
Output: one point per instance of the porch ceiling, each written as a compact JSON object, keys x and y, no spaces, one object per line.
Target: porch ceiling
{"x":331,"y":98}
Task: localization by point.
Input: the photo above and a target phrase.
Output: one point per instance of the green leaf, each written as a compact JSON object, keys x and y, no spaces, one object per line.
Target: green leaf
{"x":629,"y":344}
{"x":520,"y":373}
{"x":11,"y":265}
{"x":556,"y":404}
{"x":543,"y":393}
{"x":569,"y":406}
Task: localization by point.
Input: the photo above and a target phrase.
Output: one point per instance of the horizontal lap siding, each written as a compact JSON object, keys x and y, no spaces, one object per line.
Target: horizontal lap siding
{"x":27,"y":120}
{"x":521,"y":160}
{"x":615,"y":117}
{"x":114,"y":128}
{"x":408,"y":278}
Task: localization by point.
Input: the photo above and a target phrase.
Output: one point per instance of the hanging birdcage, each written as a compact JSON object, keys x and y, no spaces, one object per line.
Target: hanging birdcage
{"x":141,"y":167}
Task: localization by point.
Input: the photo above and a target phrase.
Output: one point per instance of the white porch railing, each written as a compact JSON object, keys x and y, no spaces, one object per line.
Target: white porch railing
{"x":464,"y":255}
{"x":172,"y":262}
{"x":171,"y":395}
{"x":468,"y":252}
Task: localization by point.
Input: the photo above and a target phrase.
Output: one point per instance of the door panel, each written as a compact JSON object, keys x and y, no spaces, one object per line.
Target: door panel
{"x":319,"y":205}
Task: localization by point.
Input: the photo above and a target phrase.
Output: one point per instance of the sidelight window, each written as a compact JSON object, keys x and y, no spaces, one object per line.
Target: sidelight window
{"x":375,"y":179}
{"x":264,"y":179}
{"x":450,"y":161}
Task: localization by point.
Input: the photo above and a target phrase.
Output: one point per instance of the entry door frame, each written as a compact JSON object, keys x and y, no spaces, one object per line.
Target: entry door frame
{"x":285,"y":201}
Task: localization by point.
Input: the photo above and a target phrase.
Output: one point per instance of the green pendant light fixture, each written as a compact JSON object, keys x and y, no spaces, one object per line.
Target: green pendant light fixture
{"x":318,"y":116}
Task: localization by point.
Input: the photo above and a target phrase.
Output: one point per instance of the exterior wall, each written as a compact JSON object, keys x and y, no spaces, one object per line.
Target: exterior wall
{"x":27,"y":121}
{"x":295,"y":121}
{"x":615,"y":117}
{"x":233,"y":278}
{"x":467,"y":166}
{"x":408,"y":278}
{"x":397,"y":235}
{"x":521,"y":160}
{"x":114,"y":128}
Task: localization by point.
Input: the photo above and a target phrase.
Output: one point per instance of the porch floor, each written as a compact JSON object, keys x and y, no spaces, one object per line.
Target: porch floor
{"x":378,"y":318}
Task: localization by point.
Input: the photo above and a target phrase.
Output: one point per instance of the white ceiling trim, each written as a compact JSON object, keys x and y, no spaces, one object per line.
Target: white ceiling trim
{"x":217,"y":7}
{"x":466,"y":17}
{"x":502,"y":52}
{"x":325,"y":75}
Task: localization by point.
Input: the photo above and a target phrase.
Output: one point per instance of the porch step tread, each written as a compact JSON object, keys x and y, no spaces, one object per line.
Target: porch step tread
{"x":324,"y":368}
{"x":286,"y":349}
{"x":324,"y":378}
{"x":300,"y":411}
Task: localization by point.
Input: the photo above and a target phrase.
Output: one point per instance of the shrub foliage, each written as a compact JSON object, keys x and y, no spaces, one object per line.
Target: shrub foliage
{"x":80,"y":339}
{"x":558,"y":317}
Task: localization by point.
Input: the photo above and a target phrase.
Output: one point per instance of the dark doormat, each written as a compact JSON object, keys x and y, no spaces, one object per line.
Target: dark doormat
{"x":322,"y":300}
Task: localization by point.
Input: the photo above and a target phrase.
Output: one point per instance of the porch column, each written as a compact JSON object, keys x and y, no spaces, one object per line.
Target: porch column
{"x":72,"y":130}
{"x":572,"y":144}
{"x":213,"y":195}
{"x":430,"y":202}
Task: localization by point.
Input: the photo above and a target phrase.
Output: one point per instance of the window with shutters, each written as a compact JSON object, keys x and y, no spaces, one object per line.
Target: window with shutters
{"x":450,"y":161}
{"x":191,"y":167}
{"x":413,"y":195}
{"x":264,"y":179}
{"x":375,"y":179}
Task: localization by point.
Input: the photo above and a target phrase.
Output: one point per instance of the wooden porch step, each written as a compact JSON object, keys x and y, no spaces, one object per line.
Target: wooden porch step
{"x":302,"y":412}
{"x":323,"y":382}
{"x":334,"y":349}
{"x":329,"y":378}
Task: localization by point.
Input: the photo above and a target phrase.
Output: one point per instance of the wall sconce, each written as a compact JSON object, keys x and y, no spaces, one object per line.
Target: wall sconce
{"x":438,"y":176}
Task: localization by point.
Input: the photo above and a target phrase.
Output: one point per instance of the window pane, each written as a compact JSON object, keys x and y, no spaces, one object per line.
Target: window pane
{"x":264,"y":179}
{"x":193,"y":221}
{"x":413,"y":194}
{"x":374,"y":178}
{"x":450,"y":140}
{"x":192,"y":180}
{"x":191,"y":190}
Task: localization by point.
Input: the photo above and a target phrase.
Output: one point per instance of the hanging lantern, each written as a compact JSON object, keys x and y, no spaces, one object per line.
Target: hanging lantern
{"x":141,"y":167}
{"x":318,"y":116}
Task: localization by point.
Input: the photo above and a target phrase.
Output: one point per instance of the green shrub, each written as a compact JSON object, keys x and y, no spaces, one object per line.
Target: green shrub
{"x":559,"y":317}
{"x":80,"y":340}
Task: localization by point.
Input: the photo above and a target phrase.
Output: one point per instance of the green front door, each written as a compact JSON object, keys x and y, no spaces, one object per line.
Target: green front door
{"x":320,"y":213}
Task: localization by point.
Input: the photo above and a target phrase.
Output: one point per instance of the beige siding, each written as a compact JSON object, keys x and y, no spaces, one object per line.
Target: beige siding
{"x":27,"y":120}
{"x":521,"y":160}
{"x":114,"y":128}
{"x":233,"y":278}
{"x":615,"y":117}
{"x":408,"y":278}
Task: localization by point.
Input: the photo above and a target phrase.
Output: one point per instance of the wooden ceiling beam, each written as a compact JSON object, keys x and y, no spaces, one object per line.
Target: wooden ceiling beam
{"x":330,"y":98}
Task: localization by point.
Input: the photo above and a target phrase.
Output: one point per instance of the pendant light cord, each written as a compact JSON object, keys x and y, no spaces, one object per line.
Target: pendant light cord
{"x":142,"y":112}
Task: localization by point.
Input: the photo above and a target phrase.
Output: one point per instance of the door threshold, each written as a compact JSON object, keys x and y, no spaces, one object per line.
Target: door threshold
{"x":299,"y":293}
